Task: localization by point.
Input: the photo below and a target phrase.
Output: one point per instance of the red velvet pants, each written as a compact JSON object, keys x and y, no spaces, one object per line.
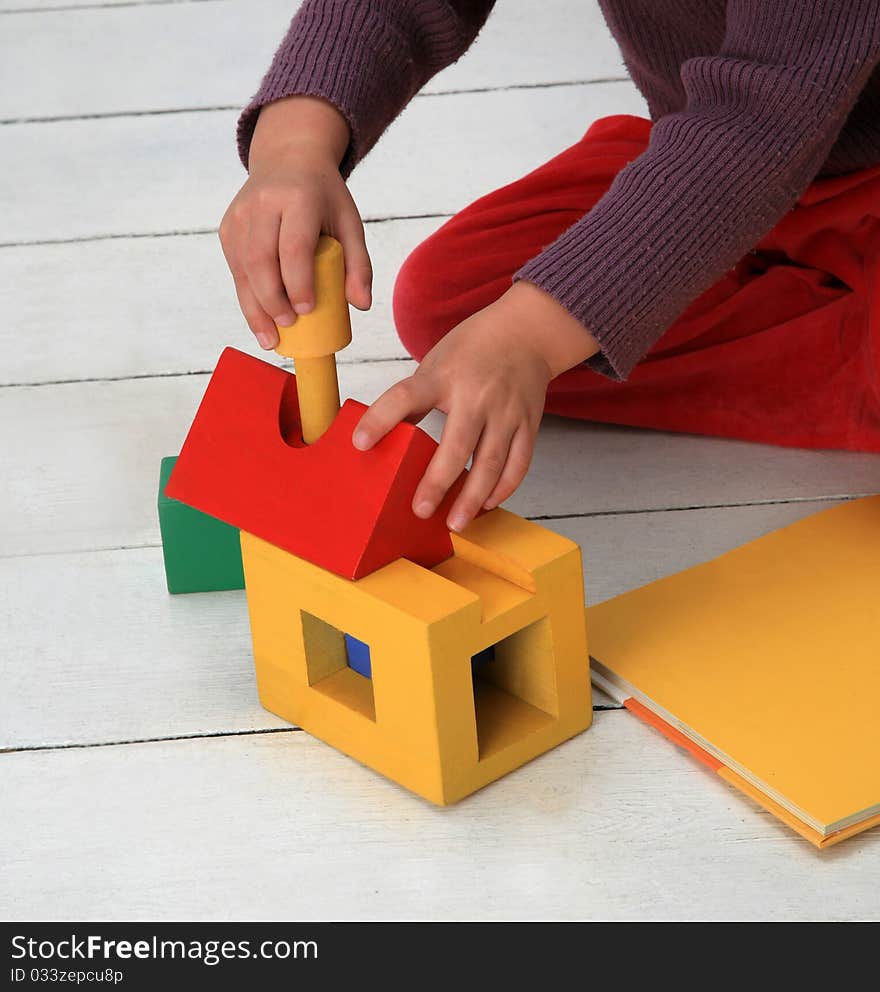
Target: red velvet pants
{"x":785,"y":349}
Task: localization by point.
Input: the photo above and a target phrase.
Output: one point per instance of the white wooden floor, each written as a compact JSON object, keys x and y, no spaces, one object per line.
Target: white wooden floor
{"x":141,"y":779}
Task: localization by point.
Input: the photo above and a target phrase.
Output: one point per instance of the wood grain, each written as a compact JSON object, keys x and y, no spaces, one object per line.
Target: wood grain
{"x":155,"y":306}
{"x":56,"y":7}
{"x":82,"y":462}
{"x":158,"y":57}
{"x":177,"y":172}
{"x":96,"y":651}
{"x":616,"y":824}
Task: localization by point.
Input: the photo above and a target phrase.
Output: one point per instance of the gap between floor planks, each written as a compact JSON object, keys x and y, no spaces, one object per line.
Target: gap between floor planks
{"x":187,"y":170}
{"x":536,"y":518}
{"x":597,"y":708}
{"x":123,"y":429}
{"x":616,"y":803}
{"x":177,"y":375}
{"x":182,"y":663}
{"x":193,"y":232}
{"x":126,"y":742}
{"x":510,"y":52}
{"x":225,"y":108}
{"x":99,"y":6}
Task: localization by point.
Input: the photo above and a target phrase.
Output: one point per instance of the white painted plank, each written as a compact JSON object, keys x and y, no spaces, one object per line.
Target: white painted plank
{"x":96,"y":651}
{"x":591,"y":468}
{"x":177,"y":172}
{"x":192,"y":55}
{"x":150,"y":57}
{"x":49,"y":6}
{"x":536,"y":44}
{"x":624,"y":551}
{"x":88,"y":461}
{"x":616,"y":824}
{"x":153,"y":306}
{"x":83,"y":458}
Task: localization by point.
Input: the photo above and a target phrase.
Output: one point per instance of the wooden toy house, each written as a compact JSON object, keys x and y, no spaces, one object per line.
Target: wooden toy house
{"x":443,"y":661}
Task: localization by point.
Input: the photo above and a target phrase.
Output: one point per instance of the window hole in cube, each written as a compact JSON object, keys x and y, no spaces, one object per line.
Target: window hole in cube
{"x":515,"y":692}
{"x":330,"y":669}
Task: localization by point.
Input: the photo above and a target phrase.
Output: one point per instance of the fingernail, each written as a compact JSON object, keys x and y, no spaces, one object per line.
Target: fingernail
{"x":490,"y":504}
{"x":284,"y":319}
{"x":424,"y":510}
{"x":360,"y":440}
{"x":457,"y":522}
{"x":267,"y":340}
{"x":303,"y":308}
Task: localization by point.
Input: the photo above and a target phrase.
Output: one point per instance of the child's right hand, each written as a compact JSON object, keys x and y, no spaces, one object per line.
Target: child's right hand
{"x":294,"y":194}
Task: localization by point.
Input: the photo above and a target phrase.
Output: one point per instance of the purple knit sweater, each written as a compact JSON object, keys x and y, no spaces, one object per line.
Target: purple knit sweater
{"x":750,"y":99}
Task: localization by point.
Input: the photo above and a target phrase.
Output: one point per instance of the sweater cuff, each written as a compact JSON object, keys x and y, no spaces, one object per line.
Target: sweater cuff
{"x":347,"y":54}
{"x":560,"y":271}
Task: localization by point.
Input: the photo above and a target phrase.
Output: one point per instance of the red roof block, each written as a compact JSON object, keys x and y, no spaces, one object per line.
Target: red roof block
{"x":346,"y":510}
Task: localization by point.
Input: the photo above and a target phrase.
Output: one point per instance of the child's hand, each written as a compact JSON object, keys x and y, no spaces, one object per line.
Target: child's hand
{"x":490,"y":376}
{"x":294,"y":193}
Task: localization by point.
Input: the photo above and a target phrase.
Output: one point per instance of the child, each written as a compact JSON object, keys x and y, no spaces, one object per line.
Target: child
{"x":715,"y":270}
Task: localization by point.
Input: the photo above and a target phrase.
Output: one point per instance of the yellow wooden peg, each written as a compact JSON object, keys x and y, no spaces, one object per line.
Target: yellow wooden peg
{"x":313,"y":340}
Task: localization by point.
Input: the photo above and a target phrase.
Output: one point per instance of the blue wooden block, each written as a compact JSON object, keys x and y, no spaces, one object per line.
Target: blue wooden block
{"x":358,"y":656}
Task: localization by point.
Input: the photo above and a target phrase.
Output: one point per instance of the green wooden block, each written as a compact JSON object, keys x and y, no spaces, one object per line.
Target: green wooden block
{"x":202,"y":553}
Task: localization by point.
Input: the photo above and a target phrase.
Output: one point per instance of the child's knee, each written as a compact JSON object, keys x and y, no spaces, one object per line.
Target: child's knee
{"x":418,"y":307}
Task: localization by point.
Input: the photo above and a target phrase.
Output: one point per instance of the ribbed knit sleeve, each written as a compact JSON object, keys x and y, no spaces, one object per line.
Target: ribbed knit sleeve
{"x":367,"y":57}
{"x":760,"y":118}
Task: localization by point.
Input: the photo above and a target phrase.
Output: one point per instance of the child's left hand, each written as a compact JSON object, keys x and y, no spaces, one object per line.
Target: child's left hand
{"x":490,"y":376}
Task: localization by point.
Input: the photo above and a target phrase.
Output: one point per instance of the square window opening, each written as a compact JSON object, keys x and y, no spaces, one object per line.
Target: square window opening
{"x":337,"y":669}
{"x":515,"y":692}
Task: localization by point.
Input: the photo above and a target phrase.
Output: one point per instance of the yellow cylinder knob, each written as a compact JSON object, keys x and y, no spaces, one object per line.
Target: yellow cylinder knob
{"x":313,"y":340}
{"x":317,"y":390}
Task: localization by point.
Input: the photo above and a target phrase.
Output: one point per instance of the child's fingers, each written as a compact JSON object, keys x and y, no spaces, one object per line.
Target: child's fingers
{"x":460,"y":435}
{"x":263,"y":269}
{"x":258,"y":320}
{"x":490,"y":458}
{"x":358,"y":268}
{"x":517,"y":465}
{"x":409,"y":399}
{"x":297,"y":241}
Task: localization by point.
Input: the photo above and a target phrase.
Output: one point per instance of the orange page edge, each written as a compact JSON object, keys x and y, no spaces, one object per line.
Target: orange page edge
{"x":813,"y":836}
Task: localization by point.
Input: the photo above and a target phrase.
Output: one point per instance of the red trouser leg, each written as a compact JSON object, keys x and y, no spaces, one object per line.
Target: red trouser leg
{"x":785,"y":349}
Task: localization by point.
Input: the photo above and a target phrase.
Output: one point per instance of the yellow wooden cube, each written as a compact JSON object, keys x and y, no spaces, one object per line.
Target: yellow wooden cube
{"x":423,"y":719}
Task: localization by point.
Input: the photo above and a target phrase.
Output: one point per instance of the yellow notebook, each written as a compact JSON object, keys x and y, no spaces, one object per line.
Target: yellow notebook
{"x":765,"y":664}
